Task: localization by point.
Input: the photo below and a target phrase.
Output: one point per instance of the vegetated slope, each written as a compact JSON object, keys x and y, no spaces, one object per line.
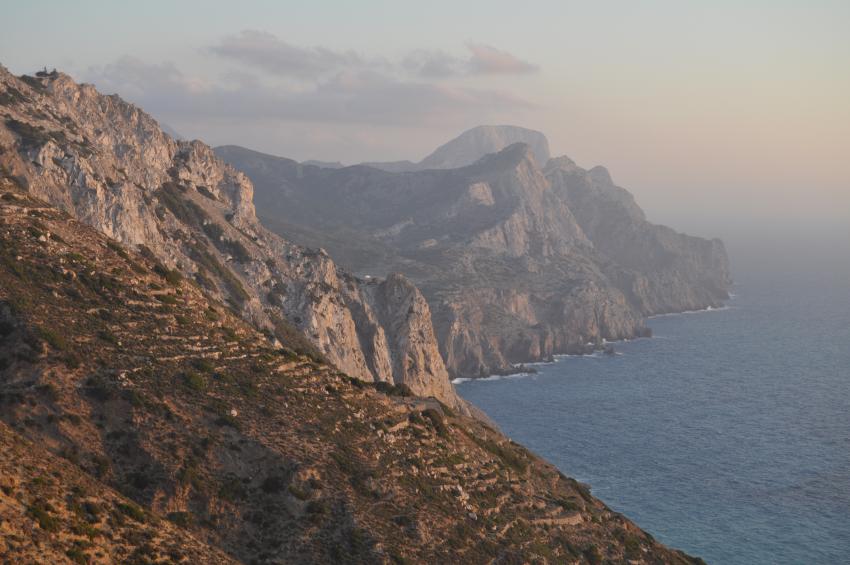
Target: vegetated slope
{"x":519,"y":261}
{"x":53,"y":512}
{"x":111,"y":166}
{"x":141,"y":379}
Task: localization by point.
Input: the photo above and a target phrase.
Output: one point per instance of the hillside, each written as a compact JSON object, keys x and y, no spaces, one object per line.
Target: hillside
{"x":141,"y":380}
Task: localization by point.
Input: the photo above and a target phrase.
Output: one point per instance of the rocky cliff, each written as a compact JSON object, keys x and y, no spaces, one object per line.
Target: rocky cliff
{"x":110,"y":165}
{"x":518,"y":259}
{"x":143,"y":421}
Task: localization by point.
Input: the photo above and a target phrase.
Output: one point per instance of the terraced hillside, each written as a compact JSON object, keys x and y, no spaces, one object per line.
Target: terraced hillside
{"x":208,"y":436}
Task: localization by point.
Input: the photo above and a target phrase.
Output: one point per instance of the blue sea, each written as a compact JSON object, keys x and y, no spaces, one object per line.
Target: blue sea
{"x":726,"y":435}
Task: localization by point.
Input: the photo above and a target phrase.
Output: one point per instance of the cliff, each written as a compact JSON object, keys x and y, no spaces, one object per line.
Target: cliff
{"x":110,"y":165}
{"x":518,"y":259}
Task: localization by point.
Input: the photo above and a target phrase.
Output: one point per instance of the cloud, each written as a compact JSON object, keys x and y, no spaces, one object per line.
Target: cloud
{"x":347,"y":96}
{"x":269,"y":53}
{"x":487,"y":59}
{"x":433,"y":64}
{"x":483,"y":60}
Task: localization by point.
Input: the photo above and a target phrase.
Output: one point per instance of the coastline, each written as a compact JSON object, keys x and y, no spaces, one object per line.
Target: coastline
{"x":596,"y":350}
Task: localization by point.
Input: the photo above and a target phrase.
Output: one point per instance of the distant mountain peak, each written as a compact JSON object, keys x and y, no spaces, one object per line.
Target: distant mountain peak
{"x":474,"y":143}
{"x":601,"y":175}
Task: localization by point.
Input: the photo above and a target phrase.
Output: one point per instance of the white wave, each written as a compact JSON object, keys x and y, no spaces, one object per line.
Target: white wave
{"x":684,"y":312}
{"x":460,"y":380}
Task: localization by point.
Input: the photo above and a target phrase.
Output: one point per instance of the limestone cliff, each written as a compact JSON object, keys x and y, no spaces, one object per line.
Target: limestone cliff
{"x":518,"y":259}
{"x":110,"y":165}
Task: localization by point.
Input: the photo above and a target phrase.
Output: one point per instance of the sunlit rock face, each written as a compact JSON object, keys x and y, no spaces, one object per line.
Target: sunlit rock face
{"x":110,"y":165}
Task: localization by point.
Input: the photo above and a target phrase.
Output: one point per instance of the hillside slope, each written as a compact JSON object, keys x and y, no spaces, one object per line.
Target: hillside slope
{"x":144,"y":380}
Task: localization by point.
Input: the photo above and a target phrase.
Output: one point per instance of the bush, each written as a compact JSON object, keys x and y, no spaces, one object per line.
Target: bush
{"x":55,"y":340}
{"x":273,"y":484}
{"x":173,"y":277}
{"x":393,"y":390}
{"x":40,"y":513}
{"x":132,"y":511}
{"x":203,"y":365}
{"x":182,"y":519}
{"x":228,"y":420}
{"x":437,"y":421}
{"x":194,"y":381}
{"x":506,"y":454}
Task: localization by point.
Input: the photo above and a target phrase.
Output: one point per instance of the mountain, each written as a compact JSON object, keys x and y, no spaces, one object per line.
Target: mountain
{"x":518,"y":259}
{"x":470,"y":146}
{"x":111,"y":166}
{"x":146,"y":420}
{"x":325,"y":164}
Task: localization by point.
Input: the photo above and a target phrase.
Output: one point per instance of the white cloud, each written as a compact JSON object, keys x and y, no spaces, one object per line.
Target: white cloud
{"x":270,"y":53}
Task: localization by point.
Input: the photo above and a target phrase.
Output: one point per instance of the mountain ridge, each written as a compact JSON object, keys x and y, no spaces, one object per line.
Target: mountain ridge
{"x":519,"y":261}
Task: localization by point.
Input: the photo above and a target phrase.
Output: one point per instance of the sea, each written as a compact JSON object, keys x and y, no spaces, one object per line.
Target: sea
{"x":727,"y":434}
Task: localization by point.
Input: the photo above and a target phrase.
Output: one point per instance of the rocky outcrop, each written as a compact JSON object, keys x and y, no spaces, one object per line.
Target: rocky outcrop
{"x":518,"y":259}
{"x":110,"y":165}
{"x":659,"y":269}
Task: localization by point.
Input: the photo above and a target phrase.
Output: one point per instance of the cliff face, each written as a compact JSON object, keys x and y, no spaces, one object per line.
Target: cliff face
{"x":518,"y":260}
{"x":110,"y":165}
{"x":142,"y":420}
{"x":659,"y":269}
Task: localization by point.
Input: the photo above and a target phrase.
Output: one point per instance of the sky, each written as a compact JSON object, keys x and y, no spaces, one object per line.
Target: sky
{"x":716,"y":115}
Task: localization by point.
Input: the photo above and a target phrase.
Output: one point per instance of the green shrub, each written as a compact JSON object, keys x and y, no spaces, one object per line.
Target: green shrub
{"x":182,"y":519}
{"x":508,"y":456}
{"x":173,"y":277}
{"x":194,"y":381}
{"x":203,"y":365}
{"x":107,"y":336}
{"x":40,"y":513}
{"x":131,"y":510}
{"x":76,"y":555}
{"x":437,"y":421}
{"x":55,"y":340}
{"x":117,"y":249}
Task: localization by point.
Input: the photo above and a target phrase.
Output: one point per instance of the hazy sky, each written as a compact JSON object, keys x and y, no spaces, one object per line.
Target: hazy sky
{"x":729,"y":111}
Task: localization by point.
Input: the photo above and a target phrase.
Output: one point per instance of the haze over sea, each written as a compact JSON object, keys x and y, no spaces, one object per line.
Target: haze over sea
{"x":726,"y":435}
